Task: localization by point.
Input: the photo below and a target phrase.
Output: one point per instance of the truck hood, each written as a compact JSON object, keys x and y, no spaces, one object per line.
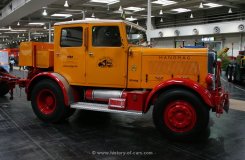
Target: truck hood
{"x":169,"y":51}
{"x":156,"y":65}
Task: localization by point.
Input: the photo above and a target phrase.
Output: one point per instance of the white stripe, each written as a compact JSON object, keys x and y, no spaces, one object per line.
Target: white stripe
{"x":234,"y":85}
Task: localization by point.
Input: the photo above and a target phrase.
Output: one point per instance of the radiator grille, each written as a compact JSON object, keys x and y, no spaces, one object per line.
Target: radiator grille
{"x":173,"y":67}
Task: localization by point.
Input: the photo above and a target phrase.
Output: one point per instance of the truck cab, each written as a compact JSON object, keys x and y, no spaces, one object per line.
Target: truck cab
{"x":95,"y":53}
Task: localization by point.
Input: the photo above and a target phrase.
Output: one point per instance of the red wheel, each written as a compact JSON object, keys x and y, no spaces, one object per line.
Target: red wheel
{"x":48,"y":102}
{"x":180,"y":114}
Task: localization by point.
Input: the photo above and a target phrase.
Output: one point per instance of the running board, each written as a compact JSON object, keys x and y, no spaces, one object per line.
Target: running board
{"x":100,"y":107}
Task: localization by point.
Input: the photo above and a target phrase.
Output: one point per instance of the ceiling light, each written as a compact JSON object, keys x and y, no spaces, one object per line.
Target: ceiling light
{"x":61,"y":15}
{"x":66,"y":4}
{"x":191,"y":16}
{"x":161,"y":13}
{"x":105,"y":1}
{"x":146,"y":16}
{"x":161,"y":20}
{"x":134,"y":9}
{"x":37,"y":33}
{"x":123,"y":12}
{"x":212,"y":5}
{"x":45,"y":12}
{"x":4,"y":29}
{"x":92,"y":15}
{"x":36,"y":23}
{"x":131,"y":19}
{"x":164,"y":2}
{"x":230,"y":11}
{"x":11,"y":32}
{"x":201,"y":6}
{"x":45,"y":27}
{"x":18,"y":24}
{"x":120,"y":9}
{"x":10,"y":28}
{"x":181,"y":10}
{"x":18,"y":30}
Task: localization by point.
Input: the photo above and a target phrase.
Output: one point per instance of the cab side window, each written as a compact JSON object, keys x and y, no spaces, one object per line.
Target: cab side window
{"x":71,"y":37}
{"x":107,"y":36}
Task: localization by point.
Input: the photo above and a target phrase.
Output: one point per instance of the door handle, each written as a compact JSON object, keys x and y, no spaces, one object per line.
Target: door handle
{"x":90,"y":53}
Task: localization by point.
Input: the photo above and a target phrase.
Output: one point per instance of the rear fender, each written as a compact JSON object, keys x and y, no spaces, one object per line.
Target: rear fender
{"x":60,"y":80}
{"x":175,"y":83}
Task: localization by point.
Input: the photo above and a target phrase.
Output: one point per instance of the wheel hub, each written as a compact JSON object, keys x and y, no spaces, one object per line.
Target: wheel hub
{"x":46,"y":101}
{"x":180,"y":116}
{"x":49,"y":100}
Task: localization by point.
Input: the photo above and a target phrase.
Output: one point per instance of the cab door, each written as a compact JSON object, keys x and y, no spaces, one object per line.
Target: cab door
{"x":106,"y":60}
{"x":69,"y":55}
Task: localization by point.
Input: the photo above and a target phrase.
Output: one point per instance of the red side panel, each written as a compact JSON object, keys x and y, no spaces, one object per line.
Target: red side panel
{"x":203,"y":92}
{"x":136,"y":100}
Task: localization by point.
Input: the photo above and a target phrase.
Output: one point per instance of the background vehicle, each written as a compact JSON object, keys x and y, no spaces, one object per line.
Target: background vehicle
{"x":105,"y":65}
{"x":235,"y":71}
{"x":7,"y":81}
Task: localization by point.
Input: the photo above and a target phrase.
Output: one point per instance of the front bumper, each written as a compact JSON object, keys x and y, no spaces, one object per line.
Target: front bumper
{"x":221,"y":101}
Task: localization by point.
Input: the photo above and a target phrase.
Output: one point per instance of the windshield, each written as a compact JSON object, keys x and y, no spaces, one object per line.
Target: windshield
{"x":136,"y":36}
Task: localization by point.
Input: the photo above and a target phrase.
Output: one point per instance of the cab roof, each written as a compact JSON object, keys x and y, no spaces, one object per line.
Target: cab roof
{"x":98,"y":21}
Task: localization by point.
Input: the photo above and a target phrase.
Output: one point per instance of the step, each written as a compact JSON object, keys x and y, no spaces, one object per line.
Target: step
{"x":100,"y":107}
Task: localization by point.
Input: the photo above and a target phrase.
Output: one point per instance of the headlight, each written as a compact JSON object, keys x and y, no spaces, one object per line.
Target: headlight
{"x":210,"y":80}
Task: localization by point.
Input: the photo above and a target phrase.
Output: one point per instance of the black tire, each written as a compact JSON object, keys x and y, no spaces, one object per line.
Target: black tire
{"x":4,"y":89}
{"x":48,"y":102}
{"x":233,"y":75}
{"x":189,"y":116}
{"x":237,"y":74}
{"x":229,"y":74}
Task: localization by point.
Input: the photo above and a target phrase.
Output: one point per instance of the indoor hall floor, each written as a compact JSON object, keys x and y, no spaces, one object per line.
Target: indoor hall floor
{"x":94,"y":135}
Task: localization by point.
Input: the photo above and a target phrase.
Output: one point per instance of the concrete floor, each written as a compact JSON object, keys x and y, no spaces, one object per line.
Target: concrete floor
{"x":93,"y":135}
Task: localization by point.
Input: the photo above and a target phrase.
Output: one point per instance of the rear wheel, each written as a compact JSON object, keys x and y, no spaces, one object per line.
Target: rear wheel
{"x":48,"y":102}
{"x":4,"y":88}
{"x":179,"y":114}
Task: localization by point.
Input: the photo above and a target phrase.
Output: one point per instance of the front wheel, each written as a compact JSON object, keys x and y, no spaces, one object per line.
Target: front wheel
{"x":48,"y":102}
{"x":180,"y":114}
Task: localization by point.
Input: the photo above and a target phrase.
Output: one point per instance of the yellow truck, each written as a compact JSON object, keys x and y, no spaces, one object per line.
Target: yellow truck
{"x":107,"y":66}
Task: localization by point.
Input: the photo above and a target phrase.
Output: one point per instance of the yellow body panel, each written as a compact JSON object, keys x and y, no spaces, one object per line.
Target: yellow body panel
{"x":69,"y":61}
{"x":125,"y":66}
{"x":44,"y":54}
{"x":134,"y":68}
{"x":113,"y":71}
{"x":147,"y":67}
{"x":164,"y":64}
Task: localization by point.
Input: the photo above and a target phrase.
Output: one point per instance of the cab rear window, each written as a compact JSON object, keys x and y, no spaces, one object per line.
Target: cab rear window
{"x":71,"y":37}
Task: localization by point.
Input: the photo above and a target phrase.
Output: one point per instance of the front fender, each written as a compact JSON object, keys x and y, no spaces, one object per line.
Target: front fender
{"x":179,"y":82}
{"x":59,"y":79}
